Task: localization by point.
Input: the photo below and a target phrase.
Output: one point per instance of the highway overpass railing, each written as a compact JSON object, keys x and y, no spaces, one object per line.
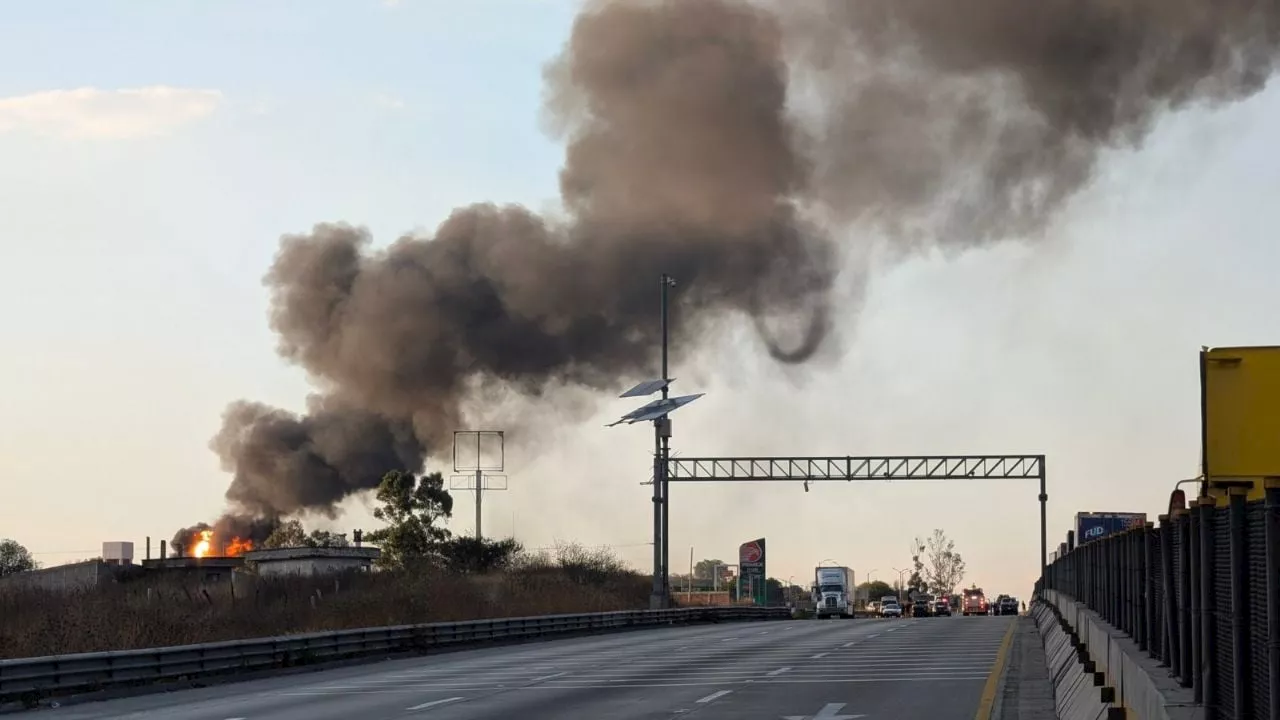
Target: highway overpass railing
{"x":1199,"y":592}
{"x":28,"y":679}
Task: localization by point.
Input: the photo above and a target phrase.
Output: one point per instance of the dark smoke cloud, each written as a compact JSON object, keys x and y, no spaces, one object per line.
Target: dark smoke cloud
{"x":285,"y":464}
{"x":986,"y":116}
{"x":683,"y":155}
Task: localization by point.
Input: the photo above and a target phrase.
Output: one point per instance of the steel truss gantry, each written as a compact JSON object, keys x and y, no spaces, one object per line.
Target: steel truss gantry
{"x":867,"y":468}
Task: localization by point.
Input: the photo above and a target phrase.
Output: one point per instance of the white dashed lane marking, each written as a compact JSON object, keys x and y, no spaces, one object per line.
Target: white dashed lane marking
{"x":434,"y":703}
{"x":714,"y":696}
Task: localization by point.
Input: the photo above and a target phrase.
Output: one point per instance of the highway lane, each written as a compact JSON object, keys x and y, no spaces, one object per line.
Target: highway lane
{"x":926,"y":667}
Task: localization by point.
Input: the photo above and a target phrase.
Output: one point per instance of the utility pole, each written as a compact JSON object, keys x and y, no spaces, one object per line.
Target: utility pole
{"x":479,"y":495}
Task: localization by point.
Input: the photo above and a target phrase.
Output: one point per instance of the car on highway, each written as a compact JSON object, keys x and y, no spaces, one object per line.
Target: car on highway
{"x":889,"y":607}
{"x":1008,"y":605}
{"x":998,"y":605}
{"x":922,"y":605}
{"x":942,"y":607}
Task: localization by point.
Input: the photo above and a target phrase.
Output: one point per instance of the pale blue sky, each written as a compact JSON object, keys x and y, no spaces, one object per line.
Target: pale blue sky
{"x":131,"y":265}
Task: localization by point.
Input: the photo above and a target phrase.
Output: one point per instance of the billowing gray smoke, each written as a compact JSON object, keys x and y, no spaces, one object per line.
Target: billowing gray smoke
{"x":919,"y":120}
{"x":987,"y":115}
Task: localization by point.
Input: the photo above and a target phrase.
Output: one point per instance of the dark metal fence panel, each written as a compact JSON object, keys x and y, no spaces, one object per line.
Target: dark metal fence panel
{"x":1155,"y":580}
{"x":1221,"y":614}
{"x":1186,"y":626}
{"x":1200,"y":592}
{"x":1257,"y":543}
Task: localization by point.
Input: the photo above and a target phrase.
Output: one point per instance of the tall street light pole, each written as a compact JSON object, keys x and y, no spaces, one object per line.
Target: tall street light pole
{"x":662,"y":428}
{"x":900,"y":574}
{"x":659,"y":411}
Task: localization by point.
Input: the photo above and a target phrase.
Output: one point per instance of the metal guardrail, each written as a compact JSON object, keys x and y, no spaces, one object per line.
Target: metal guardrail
{"x":31,"y":678}
{"x":1199,"y":593}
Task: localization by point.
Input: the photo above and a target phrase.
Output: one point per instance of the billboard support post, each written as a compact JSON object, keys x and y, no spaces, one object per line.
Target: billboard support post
{"x":478,"y":472}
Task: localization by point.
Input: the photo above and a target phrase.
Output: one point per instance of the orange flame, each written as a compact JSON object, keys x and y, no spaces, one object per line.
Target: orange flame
{"x":238,"y":546}
{"x":201,"y":547}
{"x":205,"y":546}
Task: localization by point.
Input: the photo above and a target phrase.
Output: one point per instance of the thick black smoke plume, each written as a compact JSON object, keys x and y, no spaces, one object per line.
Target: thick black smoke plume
{"x":923,"y":120}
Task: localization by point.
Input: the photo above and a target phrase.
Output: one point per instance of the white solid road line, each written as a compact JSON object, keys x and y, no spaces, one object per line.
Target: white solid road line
{"x":434,"y":703}
{"x":778,"y":672}
{"x":714,"y":695}
{"x":548,"y":677}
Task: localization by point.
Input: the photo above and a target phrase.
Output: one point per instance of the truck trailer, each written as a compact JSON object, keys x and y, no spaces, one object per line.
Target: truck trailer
{"x":833,"y":590}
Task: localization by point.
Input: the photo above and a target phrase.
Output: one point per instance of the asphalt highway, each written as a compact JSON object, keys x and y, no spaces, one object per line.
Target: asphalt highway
{"x":934,"y":668}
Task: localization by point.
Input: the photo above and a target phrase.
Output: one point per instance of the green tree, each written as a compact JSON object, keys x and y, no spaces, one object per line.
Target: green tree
{"x":413,"y":509}
{"x":287,"y":534}
{"x":876,"y":589}
{"x":705,"y":569}
{"x":326,"y":538}
{"x":946,"y":567}
{"x":773,"y":594}
{"x":291,"y":534}
{"x":917,"y":582}
{"x":469,"y":555}
{"x":14,"y":558}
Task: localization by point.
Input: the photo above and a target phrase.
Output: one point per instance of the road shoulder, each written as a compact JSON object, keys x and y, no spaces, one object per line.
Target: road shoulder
{"x":1025,"y":692}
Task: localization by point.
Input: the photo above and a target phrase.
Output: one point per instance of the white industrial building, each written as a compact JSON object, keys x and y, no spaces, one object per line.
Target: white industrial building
{"x":117,"y":552}
{"x":278,"y":562}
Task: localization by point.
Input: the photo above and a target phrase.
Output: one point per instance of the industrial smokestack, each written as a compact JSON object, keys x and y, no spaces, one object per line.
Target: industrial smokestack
{"x":923,"y":123}
{"x":163,"y":551}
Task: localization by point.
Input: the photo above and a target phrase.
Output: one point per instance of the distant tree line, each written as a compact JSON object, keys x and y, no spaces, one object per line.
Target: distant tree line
{"x":14,"y":558}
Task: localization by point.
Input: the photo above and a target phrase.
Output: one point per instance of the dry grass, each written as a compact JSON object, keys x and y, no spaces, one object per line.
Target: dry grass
{"x":157,"y":612}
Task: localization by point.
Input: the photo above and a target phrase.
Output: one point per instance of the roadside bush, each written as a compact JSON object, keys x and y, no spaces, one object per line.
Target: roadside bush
{"x":157,"y":611}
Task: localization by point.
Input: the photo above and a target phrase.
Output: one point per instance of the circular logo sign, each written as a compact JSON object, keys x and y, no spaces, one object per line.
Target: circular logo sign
{"x":750,"y":553}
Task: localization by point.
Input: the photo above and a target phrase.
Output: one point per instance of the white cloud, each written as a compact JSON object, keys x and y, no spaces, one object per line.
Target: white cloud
{"x":391,"y":3}
{"x":106,"y":114}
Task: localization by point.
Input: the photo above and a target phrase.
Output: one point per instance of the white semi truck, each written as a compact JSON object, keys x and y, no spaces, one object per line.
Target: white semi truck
{"x":833,"y":591}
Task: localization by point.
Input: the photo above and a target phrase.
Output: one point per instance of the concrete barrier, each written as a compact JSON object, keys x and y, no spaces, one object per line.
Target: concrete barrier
{"x":1136,"y":682}
{"x":1079,"y":692}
